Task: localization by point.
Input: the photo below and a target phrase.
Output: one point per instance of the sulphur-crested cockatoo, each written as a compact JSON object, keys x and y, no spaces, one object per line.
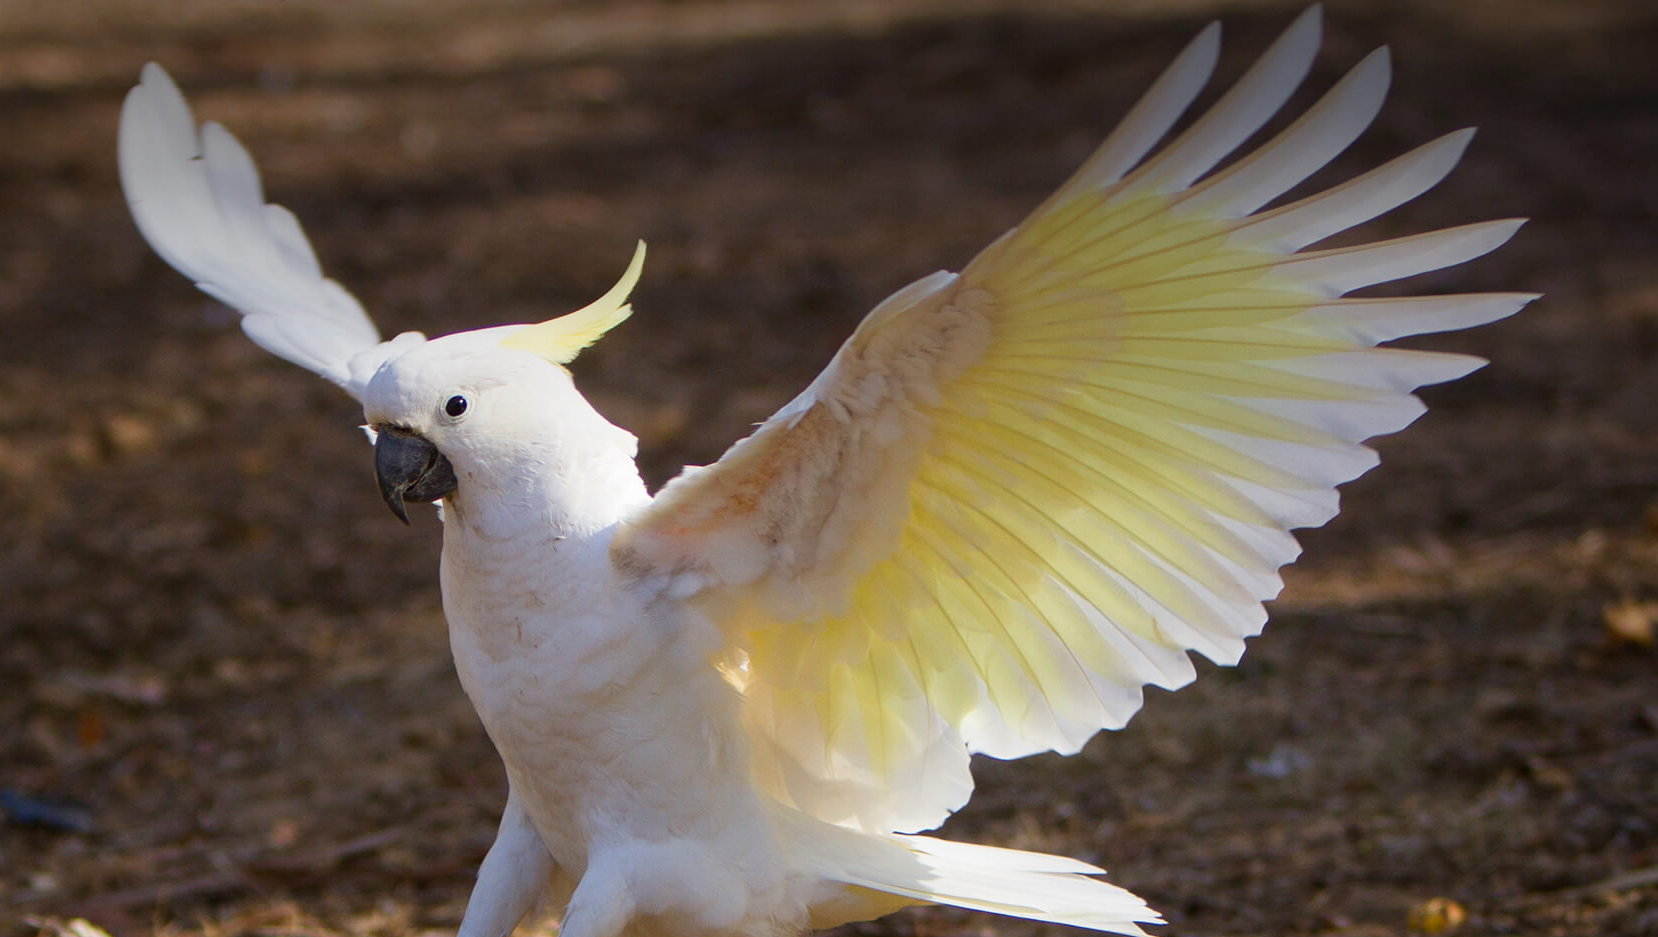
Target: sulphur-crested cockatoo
{"x":1016,"y":495}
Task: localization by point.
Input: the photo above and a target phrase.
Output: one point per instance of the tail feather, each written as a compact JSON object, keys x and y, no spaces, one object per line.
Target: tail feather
{"x":877,"y":874}
{"x":1008,"y":881}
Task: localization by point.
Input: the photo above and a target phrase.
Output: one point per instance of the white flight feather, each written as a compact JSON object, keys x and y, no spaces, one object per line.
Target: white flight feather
{"x":1240,"y":112}
{"x":1031,"y":885}
{"x":1357,"y":200}
{"x":1342,"y":269}
{"x":1150,"y":118}
{"x":198,"y":202}
{"x":1318,"y":136}
{"x":1383,"y":319}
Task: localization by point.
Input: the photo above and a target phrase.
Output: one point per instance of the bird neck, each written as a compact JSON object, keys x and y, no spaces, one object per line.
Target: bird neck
{"x":547,"y":490}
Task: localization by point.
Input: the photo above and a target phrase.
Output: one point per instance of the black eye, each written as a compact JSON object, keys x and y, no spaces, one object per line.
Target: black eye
{"x":455,"y":406}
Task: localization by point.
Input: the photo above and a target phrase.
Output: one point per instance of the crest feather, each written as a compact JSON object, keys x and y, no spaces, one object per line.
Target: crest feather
{"x":559,"y":340}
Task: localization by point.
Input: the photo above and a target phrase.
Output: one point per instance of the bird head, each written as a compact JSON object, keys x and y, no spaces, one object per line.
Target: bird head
{"x":491,"y":410}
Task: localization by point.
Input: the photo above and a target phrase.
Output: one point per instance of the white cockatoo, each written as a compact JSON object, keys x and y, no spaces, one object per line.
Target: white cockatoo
{"x":1016,"y":495}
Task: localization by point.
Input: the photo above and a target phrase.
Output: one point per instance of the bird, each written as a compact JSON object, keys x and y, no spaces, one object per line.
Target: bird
{"x":1017,"y":494}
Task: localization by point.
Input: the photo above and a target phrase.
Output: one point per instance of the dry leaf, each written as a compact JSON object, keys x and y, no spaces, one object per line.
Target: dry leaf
{"x":1630,"y":622}
{"x":57,"y":927}
{"x":1548,"y":774}
{"x":90,"y":728}
{"x":284,"y":834}
{"x":1437,"y":916}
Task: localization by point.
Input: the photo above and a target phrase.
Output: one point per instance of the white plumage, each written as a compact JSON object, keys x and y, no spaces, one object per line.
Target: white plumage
{"x":1017,"y":495}
{"x":198,"y":202}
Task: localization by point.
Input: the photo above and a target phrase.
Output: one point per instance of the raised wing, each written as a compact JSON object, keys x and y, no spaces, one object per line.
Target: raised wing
{"x":198,"y":202}
{"x":1019,"y":493}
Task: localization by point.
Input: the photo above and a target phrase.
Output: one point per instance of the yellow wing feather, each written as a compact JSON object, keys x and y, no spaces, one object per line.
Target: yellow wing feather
{"x":1019,"y":494}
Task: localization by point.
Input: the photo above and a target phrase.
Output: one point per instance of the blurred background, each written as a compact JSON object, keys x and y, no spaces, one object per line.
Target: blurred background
{"x":226,"y":702}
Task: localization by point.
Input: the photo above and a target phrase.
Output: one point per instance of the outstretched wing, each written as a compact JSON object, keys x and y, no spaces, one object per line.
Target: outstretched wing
{"x":198,"y":202}
{"x":1020,"y":493}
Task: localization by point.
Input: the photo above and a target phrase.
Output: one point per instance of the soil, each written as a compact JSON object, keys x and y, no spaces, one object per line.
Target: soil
{"x":227,"y":703}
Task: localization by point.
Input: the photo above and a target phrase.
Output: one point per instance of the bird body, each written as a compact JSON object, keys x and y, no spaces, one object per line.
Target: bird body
{"x":1016,"y":495}
{"x":566,"y":653}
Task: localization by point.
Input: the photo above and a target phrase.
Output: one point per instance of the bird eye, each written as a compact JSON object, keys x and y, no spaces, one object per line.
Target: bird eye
{"x":455,"y":406}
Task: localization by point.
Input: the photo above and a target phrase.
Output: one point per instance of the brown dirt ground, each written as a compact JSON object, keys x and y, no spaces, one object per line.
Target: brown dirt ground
{"x":219,"y":646}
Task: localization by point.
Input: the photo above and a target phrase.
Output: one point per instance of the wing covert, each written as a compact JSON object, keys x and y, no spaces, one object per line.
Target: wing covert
{"x":1019,"y":494}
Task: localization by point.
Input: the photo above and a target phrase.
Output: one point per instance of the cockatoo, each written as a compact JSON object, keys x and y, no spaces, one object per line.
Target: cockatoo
{"x":1016,"y":495}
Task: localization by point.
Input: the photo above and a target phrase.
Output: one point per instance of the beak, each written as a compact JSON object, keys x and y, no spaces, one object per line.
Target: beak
{"x":409,"y":469}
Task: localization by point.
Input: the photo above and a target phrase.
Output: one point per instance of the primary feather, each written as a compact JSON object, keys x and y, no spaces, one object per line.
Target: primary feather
{"x":1017,"y":495}
{"x":197,"y":200}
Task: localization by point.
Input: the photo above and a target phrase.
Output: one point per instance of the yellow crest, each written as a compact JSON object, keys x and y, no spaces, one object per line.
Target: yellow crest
{"x":560,"y":340}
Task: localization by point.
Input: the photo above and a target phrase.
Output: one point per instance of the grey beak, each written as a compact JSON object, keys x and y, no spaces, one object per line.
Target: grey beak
{"x":409,"y":469}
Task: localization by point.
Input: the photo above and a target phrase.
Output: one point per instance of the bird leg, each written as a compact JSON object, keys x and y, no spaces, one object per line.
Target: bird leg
{"x":513,"y":877}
